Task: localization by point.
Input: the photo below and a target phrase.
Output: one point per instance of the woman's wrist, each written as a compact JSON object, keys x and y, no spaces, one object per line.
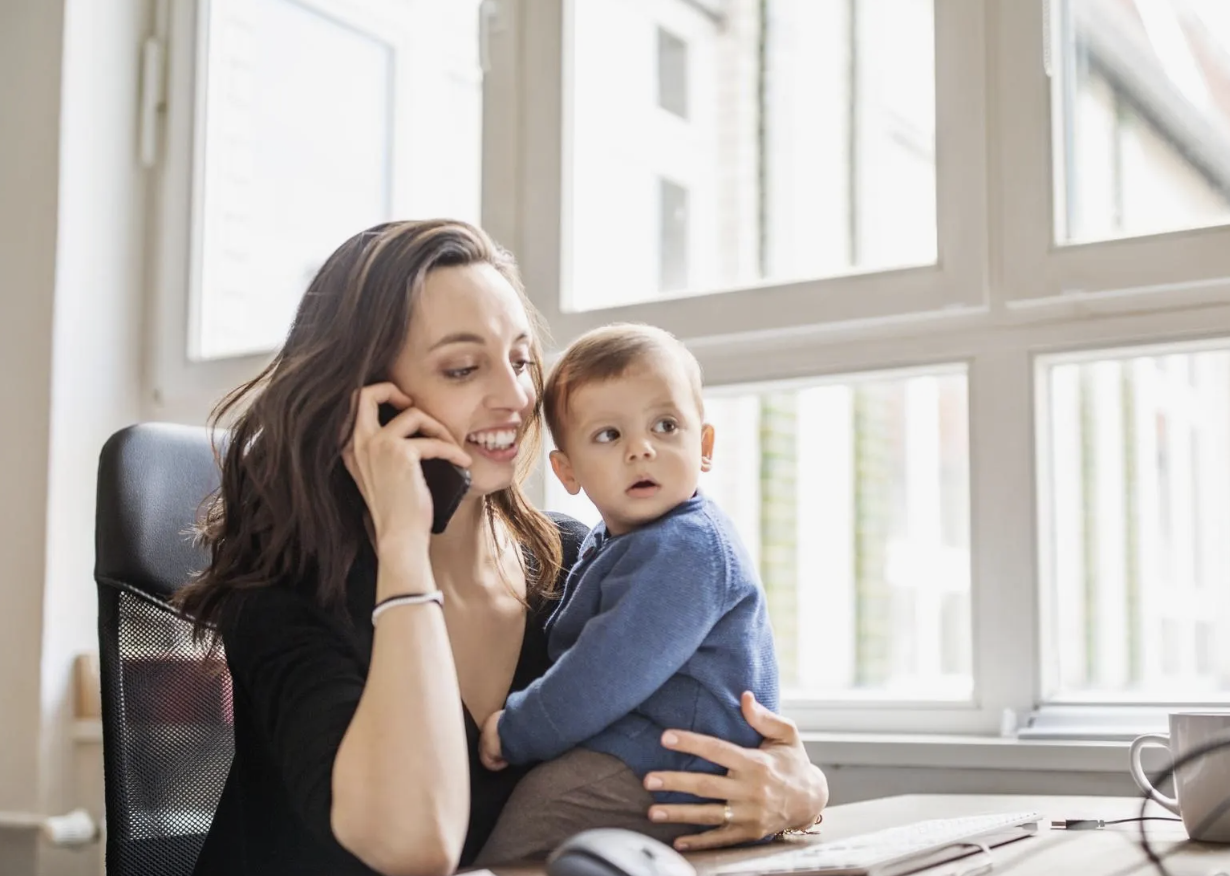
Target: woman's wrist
{"x":403,"y":567}
{"x":818,"y":799}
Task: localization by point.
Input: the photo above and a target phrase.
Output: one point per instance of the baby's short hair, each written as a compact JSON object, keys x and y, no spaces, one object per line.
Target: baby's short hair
{"x":609,"y":352}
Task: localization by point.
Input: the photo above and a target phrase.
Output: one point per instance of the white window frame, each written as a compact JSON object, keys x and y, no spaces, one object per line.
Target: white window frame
{"x":1037,"y":276}
{"x":956,"y":282}
{"x":1000,"y":297}
{"x":177,"y":385}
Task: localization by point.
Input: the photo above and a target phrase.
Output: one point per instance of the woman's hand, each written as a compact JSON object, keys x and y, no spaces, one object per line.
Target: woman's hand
{"x":385,"y":463}
{"x":768,"y":789}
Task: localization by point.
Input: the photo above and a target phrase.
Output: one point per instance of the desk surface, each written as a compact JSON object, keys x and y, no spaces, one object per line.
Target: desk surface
{"x":1112,"y":851}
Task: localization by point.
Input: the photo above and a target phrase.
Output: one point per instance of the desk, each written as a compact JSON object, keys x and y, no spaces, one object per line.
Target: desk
{"x":1112,"y":851}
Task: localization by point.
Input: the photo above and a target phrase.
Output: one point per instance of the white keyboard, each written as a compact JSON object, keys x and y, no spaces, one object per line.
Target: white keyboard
{"x":882,"y":850}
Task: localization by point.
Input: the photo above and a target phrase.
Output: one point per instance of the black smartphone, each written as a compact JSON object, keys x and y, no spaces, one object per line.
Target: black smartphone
{"x":447,"y":483}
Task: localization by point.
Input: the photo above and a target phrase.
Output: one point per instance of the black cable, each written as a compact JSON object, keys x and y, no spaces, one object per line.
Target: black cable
{"x":1150,"y":853}
{"x":1098,"y":823}
{"x":1209,"y":820}
{"x":1144,"y":818}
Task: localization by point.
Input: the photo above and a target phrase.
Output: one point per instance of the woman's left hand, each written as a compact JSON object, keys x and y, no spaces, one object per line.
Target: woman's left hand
{"x":768,"y":789}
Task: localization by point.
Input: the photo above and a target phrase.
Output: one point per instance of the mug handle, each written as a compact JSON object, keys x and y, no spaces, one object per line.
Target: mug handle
{"x":1161,"y":740}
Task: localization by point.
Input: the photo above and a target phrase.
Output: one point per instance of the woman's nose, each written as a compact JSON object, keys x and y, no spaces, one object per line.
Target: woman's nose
{"x":509,"y":391}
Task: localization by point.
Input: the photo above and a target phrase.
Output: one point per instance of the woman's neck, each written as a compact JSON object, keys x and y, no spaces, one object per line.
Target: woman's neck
{"x":466,"y":558}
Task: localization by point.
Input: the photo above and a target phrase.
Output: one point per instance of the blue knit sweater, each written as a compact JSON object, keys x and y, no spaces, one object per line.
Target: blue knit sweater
{"x":663,"y":627}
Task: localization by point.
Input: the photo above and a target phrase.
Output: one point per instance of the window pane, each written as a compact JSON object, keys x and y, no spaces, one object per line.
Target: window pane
{"x":1140,"y":525}
{"x":1143,"y":91}
{"x":297,"y":155}
{"x":853,"y":499}
{"x":801,"y":135}
{"x":672,"y":73}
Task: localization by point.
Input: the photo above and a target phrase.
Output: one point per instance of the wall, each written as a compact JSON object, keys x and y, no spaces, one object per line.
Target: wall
{"x":96,"y":358}
{"x":71,"y":242}
{"x":30,"y":54}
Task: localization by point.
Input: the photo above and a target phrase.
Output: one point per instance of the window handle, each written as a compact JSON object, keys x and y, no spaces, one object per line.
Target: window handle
{"x":488,"y":19}
{"x":1048,"y":50}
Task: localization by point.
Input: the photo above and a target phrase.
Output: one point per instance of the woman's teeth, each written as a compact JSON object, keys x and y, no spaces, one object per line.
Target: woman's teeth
{"x":500,"y":440}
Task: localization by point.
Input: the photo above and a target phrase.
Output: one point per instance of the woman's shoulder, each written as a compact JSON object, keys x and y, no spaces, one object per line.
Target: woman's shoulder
{"x":274,"y":616}
{"x":571,"y":532}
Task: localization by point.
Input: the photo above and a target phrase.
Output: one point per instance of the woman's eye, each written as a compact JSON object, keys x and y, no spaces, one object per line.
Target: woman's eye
{"x":459,"y":373}
{"x":606,"y":436}
{"x":520,"y":366}
{"x":666,"y":425}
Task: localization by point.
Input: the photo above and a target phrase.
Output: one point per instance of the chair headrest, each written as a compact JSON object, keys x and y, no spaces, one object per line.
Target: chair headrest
{"x":152,"y":481}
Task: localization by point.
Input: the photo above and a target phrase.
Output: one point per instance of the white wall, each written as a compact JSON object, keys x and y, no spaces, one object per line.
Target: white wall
{"x":71,"y":242}
{"x":30,"y":52}
{"x":97,"y":339}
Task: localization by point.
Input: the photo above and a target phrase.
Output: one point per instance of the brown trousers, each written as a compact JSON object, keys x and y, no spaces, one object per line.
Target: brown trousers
{"x":577,"y":791}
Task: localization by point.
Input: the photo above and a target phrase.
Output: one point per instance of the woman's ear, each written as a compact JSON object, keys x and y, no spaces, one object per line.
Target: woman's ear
{"x":563,"y":470}
{"x":706,"y":447}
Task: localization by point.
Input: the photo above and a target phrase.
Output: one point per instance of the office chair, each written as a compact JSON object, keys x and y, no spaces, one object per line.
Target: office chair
{"x":167,"y":727}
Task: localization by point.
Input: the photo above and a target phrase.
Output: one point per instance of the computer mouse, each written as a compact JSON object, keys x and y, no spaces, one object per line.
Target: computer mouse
{"x":616,"y":852}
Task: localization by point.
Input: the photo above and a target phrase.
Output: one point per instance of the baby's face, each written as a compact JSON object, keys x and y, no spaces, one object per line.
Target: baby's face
{"x":635,"y":444}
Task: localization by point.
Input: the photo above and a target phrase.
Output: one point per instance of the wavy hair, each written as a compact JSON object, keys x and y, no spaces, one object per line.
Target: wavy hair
{"x":287,"y":512}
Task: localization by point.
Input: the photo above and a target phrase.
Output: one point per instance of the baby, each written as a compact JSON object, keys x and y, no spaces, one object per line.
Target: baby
{"x":662,"y":623}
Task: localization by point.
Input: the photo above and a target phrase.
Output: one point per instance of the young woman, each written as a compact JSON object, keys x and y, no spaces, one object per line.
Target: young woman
{"x":356,"y":738}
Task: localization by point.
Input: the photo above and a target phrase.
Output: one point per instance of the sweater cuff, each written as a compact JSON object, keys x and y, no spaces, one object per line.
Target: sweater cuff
{"x":527,"y":733}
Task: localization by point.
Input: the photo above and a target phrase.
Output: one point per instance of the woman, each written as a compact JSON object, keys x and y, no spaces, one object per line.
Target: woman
{"x":356,"y":739}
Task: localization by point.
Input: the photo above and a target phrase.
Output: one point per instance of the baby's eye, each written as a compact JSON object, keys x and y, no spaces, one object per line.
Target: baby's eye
{"x":666,"y":425}
{"x":606,"y":436}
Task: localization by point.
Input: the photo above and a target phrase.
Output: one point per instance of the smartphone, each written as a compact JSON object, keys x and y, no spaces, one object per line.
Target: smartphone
{"x":447,"y":483}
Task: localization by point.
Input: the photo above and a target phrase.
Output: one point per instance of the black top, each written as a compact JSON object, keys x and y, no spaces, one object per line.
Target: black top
{"x":297,"y":675}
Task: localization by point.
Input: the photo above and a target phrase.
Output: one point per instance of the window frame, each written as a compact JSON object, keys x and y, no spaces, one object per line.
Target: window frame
{"x":177,"y":384}
{"x":956,"y":282}
{"x":995,"y":303}
{"x":1037,"y":275}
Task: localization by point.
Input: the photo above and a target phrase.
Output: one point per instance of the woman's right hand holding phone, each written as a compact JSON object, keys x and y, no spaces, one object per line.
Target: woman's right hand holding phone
{"x":386,"y":464}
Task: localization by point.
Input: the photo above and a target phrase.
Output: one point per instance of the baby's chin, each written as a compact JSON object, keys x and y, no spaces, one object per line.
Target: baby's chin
{"x":637,"y":516}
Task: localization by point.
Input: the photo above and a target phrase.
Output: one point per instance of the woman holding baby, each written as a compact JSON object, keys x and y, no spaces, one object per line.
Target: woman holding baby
{"x":357,"y":739}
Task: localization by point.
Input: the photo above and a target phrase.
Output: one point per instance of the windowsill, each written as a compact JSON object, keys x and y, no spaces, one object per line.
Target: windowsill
{"x":972,"y":752}
{"x":916,"y":750}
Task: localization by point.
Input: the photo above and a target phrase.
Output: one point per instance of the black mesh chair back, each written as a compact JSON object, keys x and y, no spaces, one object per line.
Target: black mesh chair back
{"x":168,"y":734}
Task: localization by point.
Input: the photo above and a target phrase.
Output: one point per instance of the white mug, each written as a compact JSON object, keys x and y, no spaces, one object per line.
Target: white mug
{"x":1202,"y":786}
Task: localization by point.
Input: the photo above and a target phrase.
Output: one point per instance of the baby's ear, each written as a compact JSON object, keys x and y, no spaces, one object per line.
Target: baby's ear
{"x":706,"y":447}
{"x":563,"y":470}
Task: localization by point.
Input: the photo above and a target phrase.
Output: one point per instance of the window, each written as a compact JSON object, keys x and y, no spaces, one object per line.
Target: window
{"x":804,"y":134}
{"x":1137,"y":106}
{"x":276,"y":156}
{"x":957,"y":274}
{"x":1138,"y":481}
{"x":1144,"y":96}
{"x":280,"y":186}
{"x":853,"y":499}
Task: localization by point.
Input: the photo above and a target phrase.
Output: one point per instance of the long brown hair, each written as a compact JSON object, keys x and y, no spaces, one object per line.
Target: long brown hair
{"x":287,"y":512}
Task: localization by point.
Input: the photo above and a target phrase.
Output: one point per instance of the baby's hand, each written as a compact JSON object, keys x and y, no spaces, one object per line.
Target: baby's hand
{"x":489,"y":744}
